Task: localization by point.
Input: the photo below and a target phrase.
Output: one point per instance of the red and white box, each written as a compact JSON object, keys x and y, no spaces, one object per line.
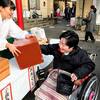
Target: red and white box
{"x":30,"y":52}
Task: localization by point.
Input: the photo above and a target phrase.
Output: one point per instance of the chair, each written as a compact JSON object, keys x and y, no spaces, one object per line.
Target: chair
{"x":87,"y":90}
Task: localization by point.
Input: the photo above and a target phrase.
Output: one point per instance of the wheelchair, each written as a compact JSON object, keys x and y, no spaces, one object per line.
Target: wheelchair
{"x":87,"y":90}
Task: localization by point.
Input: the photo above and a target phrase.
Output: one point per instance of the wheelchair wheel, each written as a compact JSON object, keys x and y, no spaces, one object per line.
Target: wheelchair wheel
{"x":90,"y":90}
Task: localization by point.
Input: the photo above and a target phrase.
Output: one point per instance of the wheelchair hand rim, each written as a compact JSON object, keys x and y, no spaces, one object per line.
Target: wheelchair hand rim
{"x":92,"y":86}
{"x":92,"y":95}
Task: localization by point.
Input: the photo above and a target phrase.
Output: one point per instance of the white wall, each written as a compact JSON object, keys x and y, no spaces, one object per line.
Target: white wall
{"x":43,"y":8}
{"x":98,"y":12}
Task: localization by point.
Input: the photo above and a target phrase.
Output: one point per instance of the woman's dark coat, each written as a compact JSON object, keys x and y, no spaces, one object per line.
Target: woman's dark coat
{"x":76,"y":61}
{"x":91,"y":24}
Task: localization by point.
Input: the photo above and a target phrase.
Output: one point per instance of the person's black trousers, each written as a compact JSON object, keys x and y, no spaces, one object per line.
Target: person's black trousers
{"x":89,"y":34}
{"x":6,"y":53}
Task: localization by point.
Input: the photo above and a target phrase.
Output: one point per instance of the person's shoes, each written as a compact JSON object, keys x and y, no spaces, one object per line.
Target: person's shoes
{"x":93,"y":41}
{"x":67,"y":25}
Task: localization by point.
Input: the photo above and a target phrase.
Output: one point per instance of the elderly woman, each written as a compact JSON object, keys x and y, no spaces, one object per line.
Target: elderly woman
{"x":8,"y":28}
{"x":90,"y":24}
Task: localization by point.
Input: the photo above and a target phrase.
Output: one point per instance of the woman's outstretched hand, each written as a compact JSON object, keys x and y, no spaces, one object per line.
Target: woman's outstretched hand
{"x":12,"y":48}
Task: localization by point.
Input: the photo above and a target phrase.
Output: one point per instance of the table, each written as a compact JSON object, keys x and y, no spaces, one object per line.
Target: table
{"x":20,"y":82}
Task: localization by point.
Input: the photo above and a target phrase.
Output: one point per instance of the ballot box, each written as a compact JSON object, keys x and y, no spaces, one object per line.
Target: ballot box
{"x":4,"y":68}
{"x":30,"y":52}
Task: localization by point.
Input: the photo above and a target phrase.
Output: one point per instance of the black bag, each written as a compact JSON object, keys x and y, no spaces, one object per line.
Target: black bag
{"x":86,"y":20}
{"x":6,"y":53}
{"x":64,"y":84}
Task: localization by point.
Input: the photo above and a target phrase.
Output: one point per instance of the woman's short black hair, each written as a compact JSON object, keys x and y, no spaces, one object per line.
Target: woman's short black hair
{"x":72,"y":38}
{"x":7,"y":3}
{"x":94,"y":9}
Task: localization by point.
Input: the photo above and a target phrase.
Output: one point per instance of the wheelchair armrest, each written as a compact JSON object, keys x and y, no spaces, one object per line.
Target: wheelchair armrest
{"x":55,"y":72}
{"x":64,"y":72}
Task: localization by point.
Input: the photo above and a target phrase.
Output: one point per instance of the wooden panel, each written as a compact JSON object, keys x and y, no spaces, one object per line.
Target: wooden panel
{"x":4,"y":68}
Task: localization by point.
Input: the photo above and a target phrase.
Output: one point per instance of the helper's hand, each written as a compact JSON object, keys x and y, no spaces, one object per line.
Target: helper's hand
{"x":73,"y":77}
{"x":13,"y":49}
{"x":42,"y":41}
{"x":29,"y":36}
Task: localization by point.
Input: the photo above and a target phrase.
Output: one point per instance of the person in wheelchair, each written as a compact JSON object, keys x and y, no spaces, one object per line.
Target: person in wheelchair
{"x":68,"y":56}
